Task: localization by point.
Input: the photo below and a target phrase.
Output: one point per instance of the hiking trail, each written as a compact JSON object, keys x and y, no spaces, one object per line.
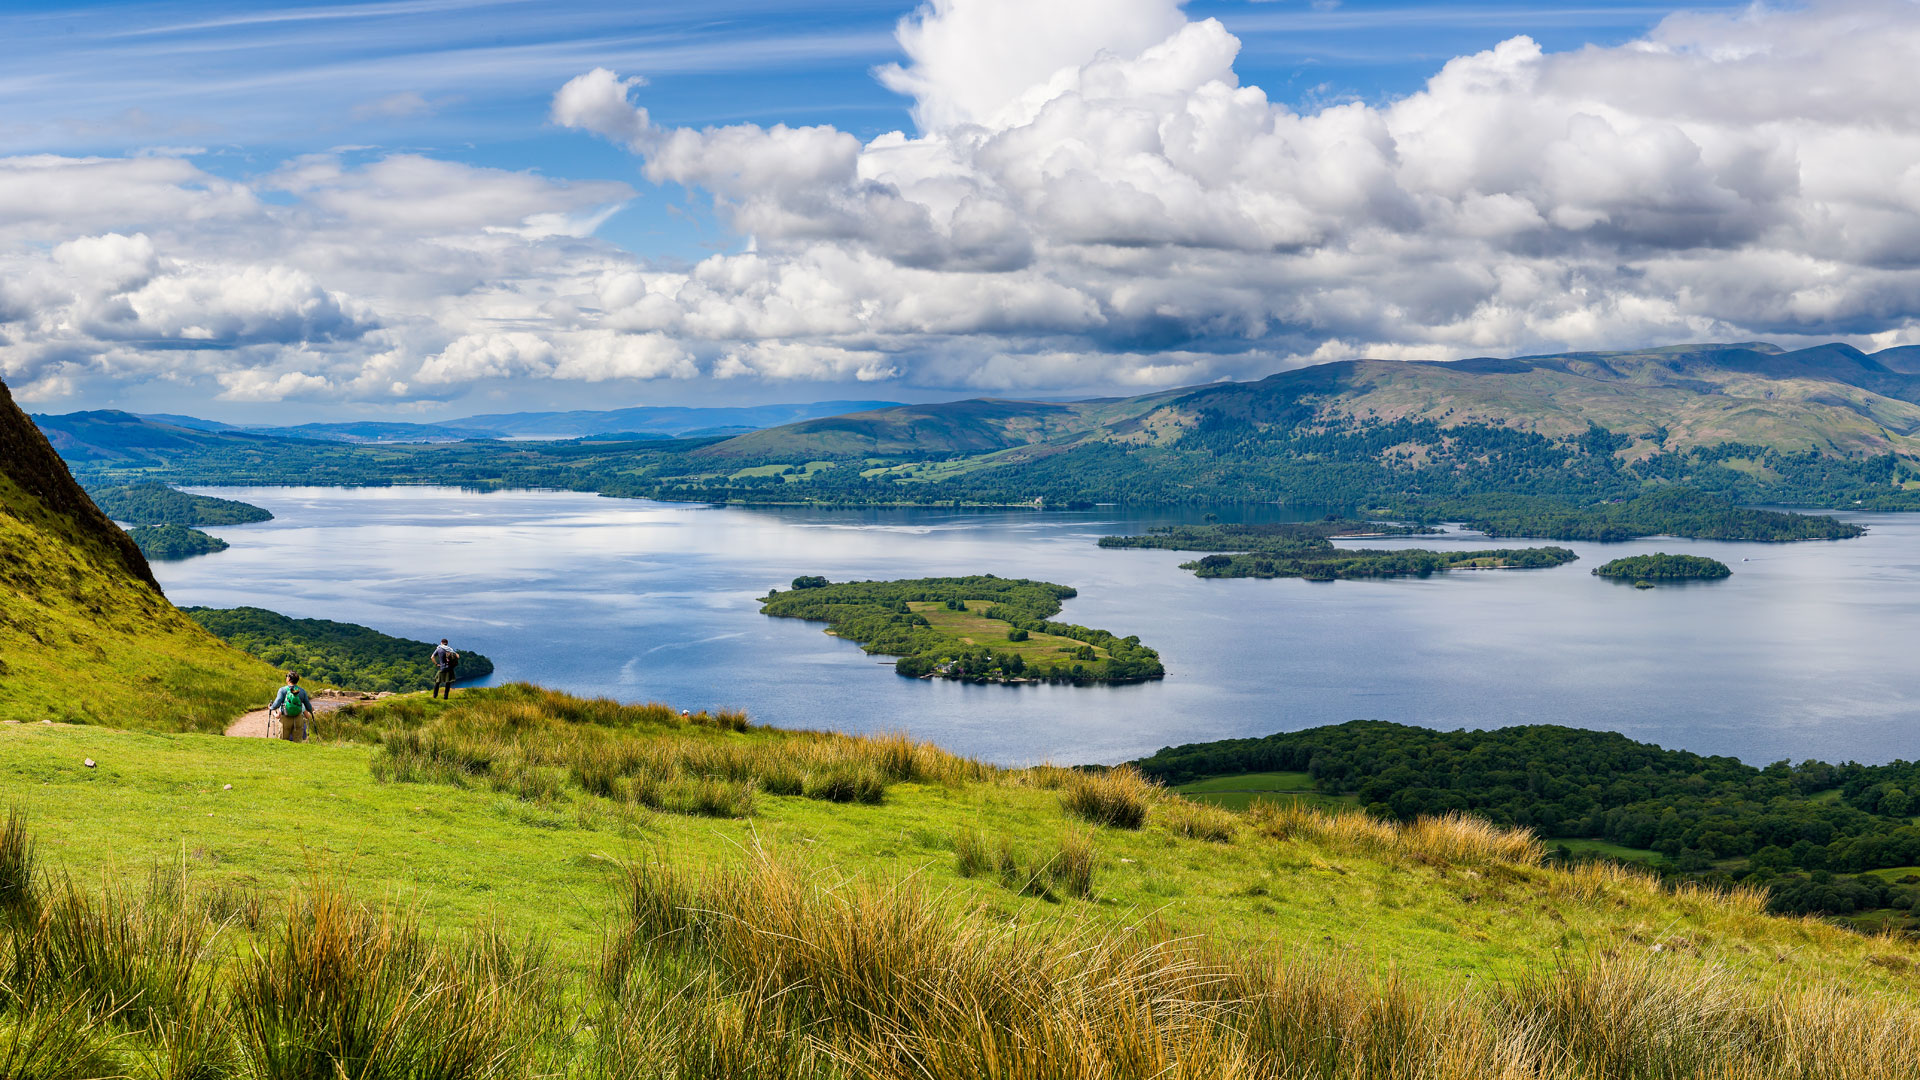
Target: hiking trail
{"x":253,"y":725}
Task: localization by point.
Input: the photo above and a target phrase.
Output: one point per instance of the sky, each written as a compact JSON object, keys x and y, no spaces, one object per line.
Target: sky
{"x":420,"y":209}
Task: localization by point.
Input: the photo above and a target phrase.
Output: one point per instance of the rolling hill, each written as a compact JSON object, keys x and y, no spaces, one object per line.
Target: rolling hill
{"x":1829,"y":399}
{"x":85,"y":634}
{"x":1747,"y":423}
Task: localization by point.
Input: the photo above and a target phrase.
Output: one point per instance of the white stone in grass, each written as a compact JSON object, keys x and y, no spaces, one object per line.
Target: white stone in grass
{"x":89,"y":763}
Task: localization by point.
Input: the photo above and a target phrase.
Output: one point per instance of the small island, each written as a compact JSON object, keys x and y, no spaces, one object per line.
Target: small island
{"x":168,"y":543}
{"x":157,"y":504}
{"x":1341,"y":564}
{"x":978,"y":629}
{"x":1664,"y":567}
{"x":1308,"y":551}
{"x":1288,"y":536}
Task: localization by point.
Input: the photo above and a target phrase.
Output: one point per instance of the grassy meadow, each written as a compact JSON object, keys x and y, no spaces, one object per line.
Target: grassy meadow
{"x":1240,"y":792}
{"x":973,"y":627}
{"x":609,"y":890}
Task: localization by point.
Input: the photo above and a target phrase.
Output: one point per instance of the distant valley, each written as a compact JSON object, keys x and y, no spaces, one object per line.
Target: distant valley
{"x":646,"y":421}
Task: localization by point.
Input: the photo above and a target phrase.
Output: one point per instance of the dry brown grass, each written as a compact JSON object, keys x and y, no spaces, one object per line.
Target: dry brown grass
{"x":765,"y":968}
{"x":1454,"y":839}
{"x":1117,"y":797}
{"x":537,"y":744}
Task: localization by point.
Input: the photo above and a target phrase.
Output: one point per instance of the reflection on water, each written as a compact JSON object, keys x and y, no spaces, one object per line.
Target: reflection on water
{"x":1805,"y":652}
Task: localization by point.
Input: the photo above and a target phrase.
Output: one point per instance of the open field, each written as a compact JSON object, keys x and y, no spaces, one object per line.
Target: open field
{"x":973,"y":627}
{"x":1581,"y":845}
{"x":1241,"y":792}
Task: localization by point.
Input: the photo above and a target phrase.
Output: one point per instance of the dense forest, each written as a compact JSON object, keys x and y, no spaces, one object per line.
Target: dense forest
{"x":333,"y":653}
{"x":1674,"y":511}
{"x":169,"y":542}
{"x":981,"y":628}
{"x":1805,"y":831}
{"x":1664,"y":567}
{"x":154,"y":503}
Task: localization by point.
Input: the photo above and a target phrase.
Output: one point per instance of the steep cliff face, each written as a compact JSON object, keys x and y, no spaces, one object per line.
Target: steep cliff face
{"x":85,"y":634}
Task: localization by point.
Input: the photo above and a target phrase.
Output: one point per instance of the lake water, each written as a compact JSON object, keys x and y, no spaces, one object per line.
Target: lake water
{"x":1807,"y":651}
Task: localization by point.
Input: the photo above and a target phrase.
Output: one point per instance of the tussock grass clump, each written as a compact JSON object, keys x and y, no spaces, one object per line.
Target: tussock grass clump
{"x":1198,"y":821}
{"x":1072,"y":867}
{"x":1454,"y":839}
{"x":1116,"y":797}
{"x":889,"y":983}
{"x":537,"y":745}
{"x":343,"y":989}
{"x":970,"y":858}
{"x":17,"y":885}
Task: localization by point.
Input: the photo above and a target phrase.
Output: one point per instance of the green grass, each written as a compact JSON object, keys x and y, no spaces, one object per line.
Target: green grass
{"x":462,"y":854}
{"x":1291,"y":782}
{"x":1581,"y":845}
{"x":973,"y":627}
{"x":81,"y":640}
{"x":1893,"y":873}
{"x":1241,"y":791}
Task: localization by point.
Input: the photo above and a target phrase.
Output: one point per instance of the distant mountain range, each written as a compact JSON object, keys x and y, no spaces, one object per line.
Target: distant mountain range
{"x":1825,"y":426}
{"x":640,"y":422}
{"x":1832,"y":399}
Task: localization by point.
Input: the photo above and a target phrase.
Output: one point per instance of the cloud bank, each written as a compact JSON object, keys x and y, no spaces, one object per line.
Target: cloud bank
{"x":1090,"y":199}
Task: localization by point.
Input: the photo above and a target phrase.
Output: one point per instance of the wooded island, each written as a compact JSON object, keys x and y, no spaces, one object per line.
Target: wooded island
{"x":981,"y":629}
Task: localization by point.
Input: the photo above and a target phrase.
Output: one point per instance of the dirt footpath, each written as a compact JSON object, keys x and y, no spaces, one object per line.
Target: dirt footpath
{"x":254,"y":724}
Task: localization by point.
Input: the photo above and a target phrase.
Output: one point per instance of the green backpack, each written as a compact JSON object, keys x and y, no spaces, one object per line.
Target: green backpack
{"x":290,"y":706}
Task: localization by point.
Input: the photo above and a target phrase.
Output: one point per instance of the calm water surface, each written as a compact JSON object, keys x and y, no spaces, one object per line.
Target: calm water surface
{"x":1807,"y":651}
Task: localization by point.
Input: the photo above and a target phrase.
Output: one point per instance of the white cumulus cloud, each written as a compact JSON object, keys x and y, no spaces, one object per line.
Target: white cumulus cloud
{"x":1091,"y":198}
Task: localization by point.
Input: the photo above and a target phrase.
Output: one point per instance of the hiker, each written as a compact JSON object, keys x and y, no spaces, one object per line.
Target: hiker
{"x":292,"y":706}
{"x":445,"y":660}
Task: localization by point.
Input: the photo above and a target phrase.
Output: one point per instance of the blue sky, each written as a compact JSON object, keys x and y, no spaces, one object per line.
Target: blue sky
{"x":253,"y":84}
{"x":419,"y":208}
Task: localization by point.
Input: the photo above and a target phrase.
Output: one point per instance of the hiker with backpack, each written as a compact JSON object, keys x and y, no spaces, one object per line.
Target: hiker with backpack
{"x":445,"y":661}
{"x":292,"y":706}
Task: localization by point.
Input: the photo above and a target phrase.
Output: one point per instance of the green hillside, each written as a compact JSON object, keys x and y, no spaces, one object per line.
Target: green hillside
{"x":1826,"y":427}
{"x":563,"y":887}
{"x":85,"y":634}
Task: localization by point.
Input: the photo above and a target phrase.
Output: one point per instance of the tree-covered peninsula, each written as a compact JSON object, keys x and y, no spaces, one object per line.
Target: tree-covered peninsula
{"x":1673,"y":511}
{"x":1820,"y":838}
{"x":167,"y":543}
{"x":1664,"y":567}
{"x":1303,"y":551}
{"x":336,"y":653}
{"x":155,"y":503}
{"x":983,"y":629}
